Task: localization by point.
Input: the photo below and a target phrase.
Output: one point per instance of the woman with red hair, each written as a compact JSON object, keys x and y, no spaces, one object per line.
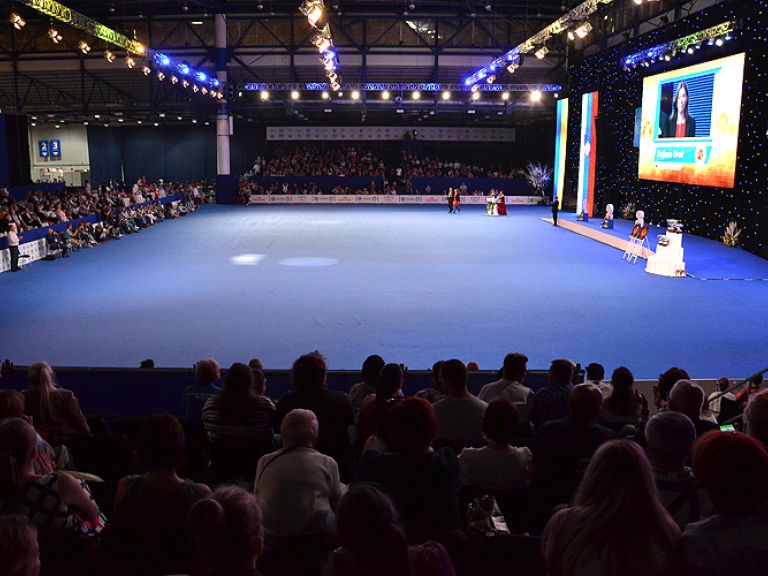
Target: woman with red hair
{"x":733,"y":468}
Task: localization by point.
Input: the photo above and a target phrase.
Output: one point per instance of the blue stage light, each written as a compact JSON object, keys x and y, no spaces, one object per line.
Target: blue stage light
{"x":184,"y":69}
{"x":215,"y":82}
{"x":201,"y":76}
{"x":162,"y":59}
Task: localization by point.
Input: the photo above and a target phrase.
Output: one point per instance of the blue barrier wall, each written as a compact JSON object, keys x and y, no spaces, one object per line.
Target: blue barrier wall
{"x":5,"y":175}
{"x":510,"y":186}
{"x":326,"y":183}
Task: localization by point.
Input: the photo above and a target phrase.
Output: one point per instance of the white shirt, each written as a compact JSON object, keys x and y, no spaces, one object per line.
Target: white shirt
{"x":460,"y":418}
{"x":521,"y":396}
{"x":13,"y":238}
{"x":492,"y":469}
{"x":299,"y":489}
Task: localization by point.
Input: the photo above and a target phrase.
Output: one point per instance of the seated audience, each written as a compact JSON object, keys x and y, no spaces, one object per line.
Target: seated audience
{"x":688,"y":398}
{"x":617,"y":524}
{"x":333,"y":409}
{"x":562,"y":448}
{"x":625,"y":405}
{"x":19,"y":552}
{"x":370,"y":374}
{"x":666,"y":381}
{"x":55,"y":411}
{"x":595,"y":374}
{"x":298,"y":486}
{"x":669,"y":441}
{"x":511,"y":386}
{"x":459,"y":414}
{"x":238,"y":421}
{"x":433,"y":393}
{"x":498,"y":465}
{"x":207,"y":374}
{"x":227,"y":532}
{"x":371,"y":427}
{"x":46,"y":458}
{"x":733,"y":468}
{"x":374,"y":542}
{"x":551,"y":403}
{"x":756,"y":415}
{"x":151,"y":508}
{"x":55,"y":501}
{"x":424,"y":483}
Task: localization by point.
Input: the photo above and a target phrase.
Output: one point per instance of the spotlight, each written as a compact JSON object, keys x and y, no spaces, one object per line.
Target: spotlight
{"x":385,"y":95}
{"x":55,"y":36}
{"x":325,"y":95}
{"x":541,"y":52}
{"x":162,"y":59}
{"x":583,"y":30}
{"x":185,"y":84}
{"x":536,"y":96}
{"x":109,"y":56}
{"x":475,"y":96}
{"x":719,"y":42}
{"x":201,"y":76}
{"x":505,"y":96}
{"x":571,"y":35}
{"x":488,"y":6}
{"x":160,"y":75}
{"x":195,"y":89}
{"x":336,"y":86}
{"x":313,"y":10}
{"x":84,"y":47}
{"x":146,"y":70}
{"x":183,"y":69}
{"x":446,"y":95}
{"x":667,"y":58}
{"x":321,"y":41}
{"x":139,"y":48}
{"x":416,"y":95}
{"x":264,"y":95}
{"x":690,"y":50}
{"x":179,"y":118}
{"x":97,"y":116}
{"x":491,"y":79}
{"x":512,"y":67}
{"x":355,"y":95}
{"x":17,"y":21}
{"x":475,"y":88}
{"x":294,"y":95}
{"x":174,"y":80}
{"x":638,"y":2}
{"x":204,"y":90}
{"x":130,"y":62}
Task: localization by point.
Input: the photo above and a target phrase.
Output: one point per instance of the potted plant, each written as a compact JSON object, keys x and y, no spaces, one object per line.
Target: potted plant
{"x":731,"y":236}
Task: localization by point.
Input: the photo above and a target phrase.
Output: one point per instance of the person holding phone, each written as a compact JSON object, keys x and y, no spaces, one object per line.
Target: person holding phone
{"x":679,"y":124}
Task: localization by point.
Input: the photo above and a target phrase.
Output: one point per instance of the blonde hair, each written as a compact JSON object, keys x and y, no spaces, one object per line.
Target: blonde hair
{"x":41,"y":381}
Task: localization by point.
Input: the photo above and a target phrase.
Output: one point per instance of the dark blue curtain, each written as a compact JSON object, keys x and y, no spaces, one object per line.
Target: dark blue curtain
{"x":105,"y":153}
{"x":5,"y":176}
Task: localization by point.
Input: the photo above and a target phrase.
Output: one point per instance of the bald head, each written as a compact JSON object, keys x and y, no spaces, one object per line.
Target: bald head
{"x":686,"y":398}
{"x":669,"y":438}
{"x":585,"y":401}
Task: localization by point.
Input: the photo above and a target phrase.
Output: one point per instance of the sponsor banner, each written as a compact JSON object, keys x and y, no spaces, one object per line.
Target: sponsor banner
{"x":380,"y":133}
{"x":384,"y":199}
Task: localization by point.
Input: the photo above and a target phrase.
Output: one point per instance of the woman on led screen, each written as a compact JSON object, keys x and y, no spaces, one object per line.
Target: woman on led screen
{"x":679,"y":124}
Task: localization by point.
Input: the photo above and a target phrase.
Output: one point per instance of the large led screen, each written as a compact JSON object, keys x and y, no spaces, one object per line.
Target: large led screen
{"x":690,"y":123}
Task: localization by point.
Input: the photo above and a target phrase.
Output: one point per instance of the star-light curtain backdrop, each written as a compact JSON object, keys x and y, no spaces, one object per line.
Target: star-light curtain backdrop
{"x":705,"y":210}
{"x":561,"y":144}
{"x":585,"y":198}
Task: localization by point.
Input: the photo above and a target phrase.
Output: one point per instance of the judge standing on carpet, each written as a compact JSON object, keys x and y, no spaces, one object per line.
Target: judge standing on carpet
{"x":13,"y":247}
{"x":449,"y":196}
{"x":555,"y":210}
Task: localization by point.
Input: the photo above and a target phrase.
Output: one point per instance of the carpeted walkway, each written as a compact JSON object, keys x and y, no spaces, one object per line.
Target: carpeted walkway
{"x":412,"y":284}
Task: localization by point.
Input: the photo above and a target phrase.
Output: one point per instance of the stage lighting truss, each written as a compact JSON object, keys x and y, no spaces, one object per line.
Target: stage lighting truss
{"x":316,"y":15}
{"x":714,"y":36}
{"x":313,"y":10}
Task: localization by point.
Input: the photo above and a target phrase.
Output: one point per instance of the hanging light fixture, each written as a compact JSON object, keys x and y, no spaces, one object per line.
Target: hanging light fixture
{"x":17,"y":21}
{"x":55,"y":36}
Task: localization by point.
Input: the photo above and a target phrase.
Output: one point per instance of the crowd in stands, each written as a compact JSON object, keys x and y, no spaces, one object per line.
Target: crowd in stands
{"x":315,"y":160}
{"x":374,"y":483}
{"x":120,"y":211}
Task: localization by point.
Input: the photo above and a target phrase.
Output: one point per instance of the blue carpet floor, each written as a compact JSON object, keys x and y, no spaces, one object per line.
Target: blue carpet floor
{"x":413,"y":284}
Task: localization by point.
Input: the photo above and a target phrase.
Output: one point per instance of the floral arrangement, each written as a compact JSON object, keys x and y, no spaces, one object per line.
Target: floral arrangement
{"x":628,"y":212}
{"x":538,"y":176}
{"x":732,"y":233}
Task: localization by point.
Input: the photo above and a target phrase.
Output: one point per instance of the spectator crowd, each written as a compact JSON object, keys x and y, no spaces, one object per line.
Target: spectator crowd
{"x":571,"y":479}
